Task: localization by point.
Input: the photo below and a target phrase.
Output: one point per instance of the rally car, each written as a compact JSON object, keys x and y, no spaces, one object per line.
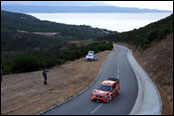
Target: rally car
{"x":107,"y":90}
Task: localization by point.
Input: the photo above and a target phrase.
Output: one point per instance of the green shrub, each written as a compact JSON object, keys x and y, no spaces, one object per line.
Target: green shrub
{"x":25,"y":64}
{"x":33,"y":61}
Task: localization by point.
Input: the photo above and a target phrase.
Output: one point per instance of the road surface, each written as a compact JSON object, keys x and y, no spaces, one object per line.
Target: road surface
{"x":116,"y":65}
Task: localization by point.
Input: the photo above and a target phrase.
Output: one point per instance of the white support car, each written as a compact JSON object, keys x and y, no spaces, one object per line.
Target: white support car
{"x":91,"y":56}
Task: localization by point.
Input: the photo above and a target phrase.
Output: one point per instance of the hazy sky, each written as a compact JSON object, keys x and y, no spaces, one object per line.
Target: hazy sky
{"x":162,"y":5}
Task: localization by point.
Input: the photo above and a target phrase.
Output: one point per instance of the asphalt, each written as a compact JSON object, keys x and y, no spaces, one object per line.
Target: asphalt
{"x":116,"y":65}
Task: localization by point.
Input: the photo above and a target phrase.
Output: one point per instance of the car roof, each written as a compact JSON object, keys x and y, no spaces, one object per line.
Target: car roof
{"x":108,"y":82}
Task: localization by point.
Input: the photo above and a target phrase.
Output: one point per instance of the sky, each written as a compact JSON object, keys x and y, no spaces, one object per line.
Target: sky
{"x":161,"y":5}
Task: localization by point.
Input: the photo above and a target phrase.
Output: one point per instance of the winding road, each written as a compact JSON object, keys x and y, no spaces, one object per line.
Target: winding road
{"x":116,"y":65}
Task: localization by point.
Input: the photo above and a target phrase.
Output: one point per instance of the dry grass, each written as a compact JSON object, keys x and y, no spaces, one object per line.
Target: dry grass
{"x":25,"y":94}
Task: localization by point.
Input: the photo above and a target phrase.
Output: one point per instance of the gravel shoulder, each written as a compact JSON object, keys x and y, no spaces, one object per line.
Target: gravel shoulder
{"x":25,"y":94}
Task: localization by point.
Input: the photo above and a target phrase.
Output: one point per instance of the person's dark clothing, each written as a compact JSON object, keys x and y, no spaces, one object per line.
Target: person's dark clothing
{"x":1,"y":74}
{"x":45,"y":77}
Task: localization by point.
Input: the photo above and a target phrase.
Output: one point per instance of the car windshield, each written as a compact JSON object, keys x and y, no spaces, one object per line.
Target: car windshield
{"x":104,"y":87}
{"x":92,"y":52}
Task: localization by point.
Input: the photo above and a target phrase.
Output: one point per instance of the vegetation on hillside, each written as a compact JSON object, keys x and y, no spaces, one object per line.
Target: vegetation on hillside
{"x":33,"y":61}
{"x":18,"y":21}
{"x":144,"y":37}
{"x":23,"y":50}
{"x":13,"y":38}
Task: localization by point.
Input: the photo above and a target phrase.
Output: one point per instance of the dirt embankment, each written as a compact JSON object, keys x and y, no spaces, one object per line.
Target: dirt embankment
{"x":157,"y":61}
{"x":26,"y":94}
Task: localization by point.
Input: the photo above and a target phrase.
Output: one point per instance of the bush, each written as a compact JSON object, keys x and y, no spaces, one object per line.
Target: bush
{"x":37,"y":60}
{"x":25,"y":64}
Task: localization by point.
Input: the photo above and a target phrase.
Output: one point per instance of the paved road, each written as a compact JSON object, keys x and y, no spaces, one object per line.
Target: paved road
{"x":116,"y":65}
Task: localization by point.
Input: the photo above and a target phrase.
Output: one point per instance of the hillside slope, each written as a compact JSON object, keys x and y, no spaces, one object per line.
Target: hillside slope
{"x":144,"y":37}
{"x":13,"y":38}
{"x":13,"y":26}
{"x":153,"y":48}
{"x":25,"y":93}
{"x":24,"y":35}
{"x":158,"y":62}
{"x":19,"y":21}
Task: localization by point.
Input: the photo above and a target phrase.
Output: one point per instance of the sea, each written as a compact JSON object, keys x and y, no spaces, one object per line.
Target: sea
{"x":120,"y":22}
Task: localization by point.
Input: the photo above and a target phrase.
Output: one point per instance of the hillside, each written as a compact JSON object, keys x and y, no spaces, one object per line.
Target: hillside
{"x":157,"y":60}
{"x":42,"y":44}
{"x":18,"y":21}
{"x":14,"y":25}
{"x":153,"y":48}
{"x":24,"y":36}
{"x":144,"y":37}
{"x":25,"y":93}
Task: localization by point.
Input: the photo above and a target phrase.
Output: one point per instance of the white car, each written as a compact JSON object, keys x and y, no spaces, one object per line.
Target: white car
{"x":91,"y":56}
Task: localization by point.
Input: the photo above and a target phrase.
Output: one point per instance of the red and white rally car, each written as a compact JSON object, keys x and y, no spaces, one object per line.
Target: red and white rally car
{"x":107,"y":90}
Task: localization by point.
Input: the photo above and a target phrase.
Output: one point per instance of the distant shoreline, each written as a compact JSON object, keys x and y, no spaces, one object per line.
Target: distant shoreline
{"x":77,"y":9}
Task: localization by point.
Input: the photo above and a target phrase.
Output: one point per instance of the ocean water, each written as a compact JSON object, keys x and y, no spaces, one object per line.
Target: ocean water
{"x":120,"y":22}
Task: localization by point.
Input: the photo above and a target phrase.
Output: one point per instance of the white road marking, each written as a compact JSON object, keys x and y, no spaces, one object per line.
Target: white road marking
{"x":96,"y":108}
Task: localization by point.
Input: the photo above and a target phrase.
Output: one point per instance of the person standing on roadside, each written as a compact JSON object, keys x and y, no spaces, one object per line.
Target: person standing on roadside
{"x":45,"y":76}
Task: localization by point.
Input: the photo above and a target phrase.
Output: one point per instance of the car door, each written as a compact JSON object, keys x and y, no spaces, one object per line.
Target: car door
{"x":114,"y":90}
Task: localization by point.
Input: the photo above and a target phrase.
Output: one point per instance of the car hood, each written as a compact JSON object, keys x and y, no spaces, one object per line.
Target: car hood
{"x":100,"y":92}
